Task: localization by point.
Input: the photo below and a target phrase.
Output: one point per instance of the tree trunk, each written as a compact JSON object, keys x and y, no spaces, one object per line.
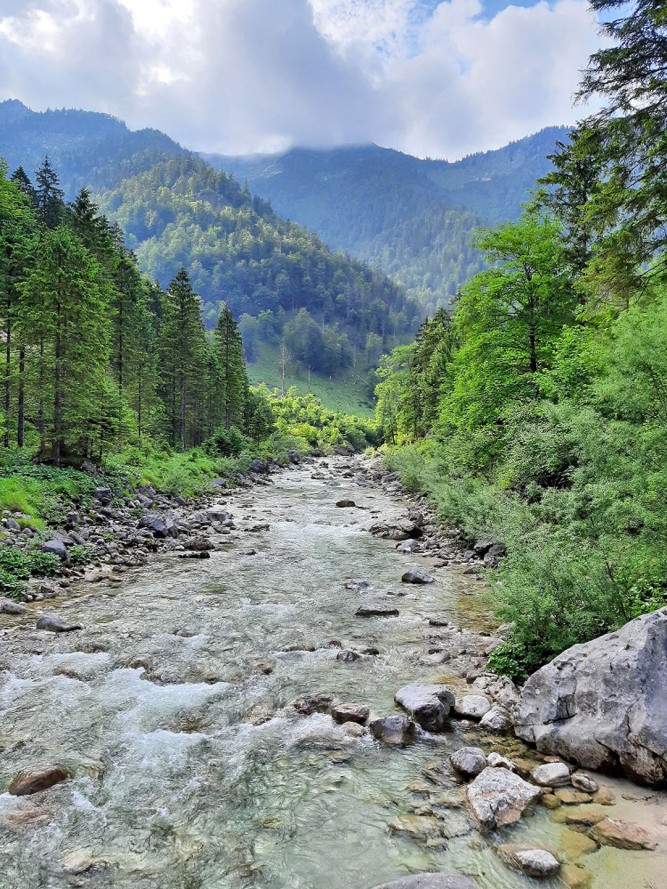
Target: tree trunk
{"x":20,"y":428}
{"x":181,"y":417}
{"x":8,"y":368}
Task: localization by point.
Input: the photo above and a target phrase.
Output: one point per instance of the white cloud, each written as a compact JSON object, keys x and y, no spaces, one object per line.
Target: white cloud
{"x":425,"y":76}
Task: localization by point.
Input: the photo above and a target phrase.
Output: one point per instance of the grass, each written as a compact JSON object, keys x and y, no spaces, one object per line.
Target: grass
{"x":348,"y":393}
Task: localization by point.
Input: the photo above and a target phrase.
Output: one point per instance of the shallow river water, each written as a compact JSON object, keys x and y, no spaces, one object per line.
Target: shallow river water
{"x":191,"y":771}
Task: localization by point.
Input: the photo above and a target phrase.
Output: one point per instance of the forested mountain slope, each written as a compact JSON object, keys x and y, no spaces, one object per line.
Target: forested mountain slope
{"x":413,"y":218}
{"x":176,"y":210}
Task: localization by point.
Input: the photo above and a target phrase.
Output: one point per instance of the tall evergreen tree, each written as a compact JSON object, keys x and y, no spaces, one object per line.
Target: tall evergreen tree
{"x":50,"y":196}
{"x":182,"y":354}
{"x":231,"y":363}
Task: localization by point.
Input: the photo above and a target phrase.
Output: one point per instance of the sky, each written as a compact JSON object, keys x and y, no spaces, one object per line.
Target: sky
{"x":434,"y":78}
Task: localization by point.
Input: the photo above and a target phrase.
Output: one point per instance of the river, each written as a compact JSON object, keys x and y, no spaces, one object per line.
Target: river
{"x":170,"y":709}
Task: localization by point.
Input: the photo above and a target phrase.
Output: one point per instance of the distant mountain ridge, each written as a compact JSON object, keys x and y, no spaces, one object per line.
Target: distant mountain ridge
{"x":412,"y":218}
{"x":177,"y":210}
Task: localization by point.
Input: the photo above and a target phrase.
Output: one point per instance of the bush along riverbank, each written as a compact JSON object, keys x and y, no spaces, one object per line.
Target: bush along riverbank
{"x":57,"y":522}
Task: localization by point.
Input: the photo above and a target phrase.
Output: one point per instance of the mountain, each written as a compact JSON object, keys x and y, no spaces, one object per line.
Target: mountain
{"x":412,"y":218}
{"x":177,"y":210}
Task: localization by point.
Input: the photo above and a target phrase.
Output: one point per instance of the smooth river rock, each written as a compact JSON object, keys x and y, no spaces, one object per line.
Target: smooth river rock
{"x":394,"y":730}
{"x":9,"y":606}
{"x":377,"y":610}
{"x":534,"y":862}
{"x":622,"y":835}
{"x":417,"y":576}
{"x":551,"y":774}
{"x":472,"y":706}
{"x":27,"y":783}
{"x":498,"y":796}
{"x":468,"y":761}
{"x":55,"y":624}
{"x":428,"y":705}
{"x":603,"y":704}
{"x":432,"y":881}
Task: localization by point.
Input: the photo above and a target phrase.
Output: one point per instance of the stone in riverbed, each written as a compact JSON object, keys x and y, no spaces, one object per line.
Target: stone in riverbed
{"x":309,"y":704}
{"x":346,"y":504}
{"x":622,"y":835}
{"x":199,"y":545}
{"x":394,"y":730}
{"x":417,"y":576}
{"x":428,"y":705}
{"x":55,"y":624}
{"x":551,"y":774}
{"x":498,"y":796}
{"x":348,"y":656}
{"x":204,"y":554}
{"x":27,"y":783}
{"x":408,"y":546}
{"x":577,"y":705}
{"x":9,"y":606}
{"x":472,"y":706}
{"x":156,"y":524}
{"x":377,"y":610}
{"x":432,"y":881}
{"x":468,"y":761}
{"x":497,"y":720}
{"x":350,"y":713}
{"x":534,"y":862}
{"x":582,"y":781}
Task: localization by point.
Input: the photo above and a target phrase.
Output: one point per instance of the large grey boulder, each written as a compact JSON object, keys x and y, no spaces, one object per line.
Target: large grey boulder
{"x":498,"y":796}
{"x":155,"y":523}
{"x":428,"y":705}
{"x":432,"y":881}
{"x":55,"y":547}
{"x":395,"y":730}
{"x":8,"y":606}
{"x":603,"y":704}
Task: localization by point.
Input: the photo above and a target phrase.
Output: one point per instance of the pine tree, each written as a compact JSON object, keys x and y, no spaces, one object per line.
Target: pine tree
{"x":182,"y":355}
{"x":20,"y":178}
{"x":50,"y":197}
{"x":231,"y":362}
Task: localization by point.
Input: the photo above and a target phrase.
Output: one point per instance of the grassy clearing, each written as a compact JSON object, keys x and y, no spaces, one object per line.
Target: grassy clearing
{"x":348,"y":393}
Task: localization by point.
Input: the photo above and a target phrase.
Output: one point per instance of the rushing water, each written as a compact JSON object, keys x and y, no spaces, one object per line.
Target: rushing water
{"x":190,"y":768}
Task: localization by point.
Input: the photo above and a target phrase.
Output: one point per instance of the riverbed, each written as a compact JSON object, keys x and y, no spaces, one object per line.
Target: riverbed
{"x":171,"y":710}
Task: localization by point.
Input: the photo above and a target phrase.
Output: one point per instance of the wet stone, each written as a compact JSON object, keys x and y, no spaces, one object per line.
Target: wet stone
{"x":26,"y":783}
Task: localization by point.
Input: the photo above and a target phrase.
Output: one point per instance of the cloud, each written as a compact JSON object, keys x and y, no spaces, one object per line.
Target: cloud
{"x":437,"y":77}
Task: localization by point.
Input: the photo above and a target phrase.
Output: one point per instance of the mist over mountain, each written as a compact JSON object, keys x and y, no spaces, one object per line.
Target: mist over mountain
{"x":412,"y":218}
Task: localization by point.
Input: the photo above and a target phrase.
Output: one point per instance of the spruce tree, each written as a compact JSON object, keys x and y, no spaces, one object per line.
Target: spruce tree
{"x":50,"y":197}
{"x":182,"y":355}
{"x":231,"y":362}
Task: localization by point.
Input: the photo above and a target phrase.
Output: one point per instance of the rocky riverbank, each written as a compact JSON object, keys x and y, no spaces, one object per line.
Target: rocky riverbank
{"x":309,"y":705}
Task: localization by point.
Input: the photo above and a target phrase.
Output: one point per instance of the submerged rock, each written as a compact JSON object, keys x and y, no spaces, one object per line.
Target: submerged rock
{"x":498,"y":796}
{"x":395,"y":730}
{"x":417,"y":576}
{"x":9,"y":606}
{"x":346,"y":504}
{"x":603,"y":704}
{"x":27,"y":783}
{"x":350,"y":713}
{"x":534,"y":862}
{"x":377,"y":610}
{"x":432,"y":881}
{"x":428,"y":705}
{"x":55,"y":624}
{"x":622,"y":835}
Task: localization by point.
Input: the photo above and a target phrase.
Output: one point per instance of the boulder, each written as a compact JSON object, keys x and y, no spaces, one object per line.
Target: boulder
{"x":622,"y":835}
{"x":497,"y":720}
{"x":55,"y":547}
{"x":350,"y":713}
{"x":499,"y":688}
{"x":499,"y":796}
{"x":346,"y":504}
{"x":400,"y":531}
{"x":432,"y":881}
{"x":104,"y":495}
{"x":348,"y":656}
{"x":155,"y":524}
{"x":472,"y":706}
{"x":482,"y":547}
{"x":309,"y":704}
{"x":377,"y":610}
{"x":199,"y":545}
{"x":417,"y":576}
{"x":428,"y":705}
{"x":27,"y":783}
{"x":495,"y":553}
{"x":602,"y":704}
{"x":394,"y":730}
{"x":551,"y":774}
{"x":9,"y":606}
{"x":468,"y":761}
{"x":534,"y":862}
{"x":55,"y":624}
{"x":407,"y":546}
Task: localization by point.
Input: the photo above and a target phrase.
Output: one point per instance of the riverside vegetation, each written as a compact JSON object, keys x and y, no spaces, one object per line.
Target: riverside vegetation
{"x":535,"y":413}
